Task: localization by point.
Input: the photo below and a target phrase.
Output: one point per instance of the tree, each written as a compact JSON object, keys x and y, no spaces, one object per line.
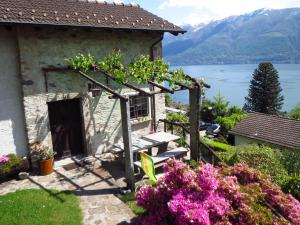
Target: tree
{"x":168,"y":100}
{"x":265,"y":91}
{"x":220,"y":106}
{"x":228,"y":122}
{"x":295,"y":112}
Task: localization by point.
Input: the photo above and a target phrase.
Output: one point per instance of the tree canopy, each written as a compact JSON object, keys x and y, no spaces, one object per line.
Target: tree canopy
{"x":295,"y":112}
{"x":265,"y":91}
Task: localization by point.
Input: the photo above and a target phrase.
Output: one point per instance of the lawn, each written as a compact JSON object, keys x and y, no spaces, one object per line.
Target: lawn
{"x":35,"y":207}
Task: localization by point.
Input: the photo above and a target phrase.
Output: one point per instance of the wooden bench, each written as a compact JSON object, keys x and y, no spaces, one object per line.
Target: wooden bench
{"x":165,"y":156}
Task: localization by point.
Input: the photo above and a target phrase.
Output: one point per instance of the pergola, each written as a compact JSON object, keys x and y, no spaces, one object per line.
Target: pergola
{"x":194,"y":103}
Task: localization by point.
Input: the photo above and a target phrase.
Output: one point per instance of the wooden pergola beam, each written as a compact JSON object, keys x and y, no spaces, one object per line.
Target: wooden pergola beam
{"x":109,"y":75}
{"x":102,"y":86}
{"x":161,"y":87}
{"x":127,"y":141}
{"x":194,"y":100}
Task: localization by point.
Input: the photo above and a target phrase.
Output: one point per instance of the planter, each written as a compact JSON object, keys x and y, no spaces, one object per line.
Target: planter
{"x":46,"y":167}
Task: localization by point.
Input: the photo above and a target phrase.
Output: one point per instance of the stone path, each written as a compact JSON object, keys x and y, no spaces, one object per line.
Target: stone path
{"x":95,"y":187}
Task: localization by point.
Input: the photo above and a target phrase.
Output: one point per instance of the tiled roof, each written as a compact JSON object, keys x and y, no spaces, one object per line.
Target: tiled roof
{"x":272,"y":129}
{"x":83,"y":13}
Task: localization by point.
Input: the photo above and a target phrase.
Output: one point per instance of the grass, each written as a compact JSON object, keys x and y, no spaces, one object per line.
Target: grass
{"x":35,"y":207}
{"x":129,"y":199}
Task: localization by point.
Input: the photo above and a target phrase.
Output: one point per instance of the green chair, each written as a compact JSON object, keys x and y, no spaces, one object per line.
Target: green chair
{"x":148,"y":166}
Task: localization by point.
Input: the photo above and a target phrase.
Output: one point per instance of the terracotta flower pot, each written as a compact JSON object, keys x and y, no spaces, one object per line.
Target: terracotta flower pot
{"x":46,"y":167}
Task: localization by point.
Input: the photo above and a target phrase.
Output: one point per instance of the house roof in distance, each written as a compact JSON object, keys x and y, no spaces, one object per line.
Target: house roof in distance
{"x":83,"y":13}
{"x":269,"y":128}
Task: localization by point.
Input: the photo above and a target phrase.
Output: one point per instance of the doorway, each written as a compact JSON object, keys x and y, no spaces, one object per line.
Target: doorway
{"x":66,"y":125}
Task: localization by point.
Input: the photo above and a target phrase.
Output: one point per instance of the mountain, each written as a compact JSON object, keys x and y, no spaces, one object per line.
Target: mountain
{"x":262,"y":35}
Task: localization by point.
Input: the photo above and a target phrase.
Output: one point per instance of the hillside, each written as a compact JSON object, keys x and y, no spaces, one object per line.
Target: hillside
{"x":263,"y":35}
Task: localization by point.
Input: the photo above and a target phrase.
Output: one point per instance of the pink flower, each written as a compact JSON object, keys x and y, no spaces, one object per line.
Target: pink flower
{"x":3,"y":159}
{"x":209,"y":195}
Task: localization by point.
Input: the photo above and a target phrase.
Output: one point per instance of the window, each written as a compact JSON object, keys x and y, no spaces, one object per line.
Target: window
{"x":139,"y":106}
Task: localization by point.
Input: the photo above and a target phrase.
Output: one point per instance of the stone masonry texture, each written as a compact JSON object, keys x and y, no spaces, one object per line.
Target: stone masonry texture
{"x":44,"y":48}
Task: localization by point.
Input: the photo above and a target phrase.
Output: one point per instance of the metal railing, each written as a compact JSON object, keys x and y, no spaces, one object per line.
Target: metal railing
{"x":207,"y":154}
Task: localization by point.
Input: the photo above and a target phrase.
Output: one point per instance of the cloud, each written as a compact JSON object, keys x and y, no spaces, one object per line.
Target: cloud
{"x":206,"y":10}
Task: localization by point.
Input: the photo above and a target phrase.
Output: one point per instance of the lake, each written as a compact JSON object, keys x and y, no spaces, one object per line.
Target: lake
{"x":232,"y":81}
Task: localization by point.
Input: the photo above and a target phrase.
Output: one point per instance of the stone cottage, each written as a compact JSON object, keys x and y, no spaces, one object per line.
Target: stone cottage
{"x":56,"y":108}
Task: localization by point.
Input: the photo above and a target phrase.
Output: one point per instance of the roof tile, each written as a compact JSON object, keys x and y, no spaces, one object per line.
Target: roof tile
{"x":269,"y":128}
{"x":82,"y":13}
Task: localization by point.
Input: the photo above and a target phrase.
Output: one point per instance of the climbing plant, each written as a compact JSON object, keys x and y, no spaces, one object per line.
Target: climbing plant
{"x":81,"y":62}
{"x":140,"y":70}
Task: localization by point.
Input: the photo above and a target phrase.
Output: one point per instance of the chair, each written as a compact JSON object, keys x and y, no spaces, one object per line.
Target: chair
{"x":147,"y":165}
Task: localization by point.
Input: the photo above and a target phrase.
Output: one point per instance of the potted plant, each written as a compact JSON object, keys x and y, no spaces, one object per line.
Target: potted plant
{"x":45,"y":156}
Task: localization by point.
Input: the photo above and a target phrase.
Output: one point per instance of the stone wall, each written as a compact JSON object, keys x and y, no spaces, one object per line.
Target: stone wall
{"x":40,"y":48}
{"x":12,"y":127}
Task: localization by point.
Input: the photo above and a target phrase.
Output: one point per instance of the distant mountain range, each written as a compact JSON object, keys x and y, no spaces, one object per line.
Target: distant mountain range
{"x":263,"y":35}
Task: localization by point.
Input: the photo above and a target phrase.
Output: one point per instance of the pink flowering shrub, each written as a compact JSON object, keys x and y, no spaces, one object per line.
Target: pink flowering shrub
{"x":209,"y":195}
{"x":3,"y":159}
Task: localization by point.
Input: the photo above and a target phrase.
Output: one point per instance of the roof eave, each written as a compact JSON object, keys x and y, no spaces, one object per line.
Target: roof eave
{"x":264,"y":140}
{"x":177,"y":32}
{"x":174,"y":32}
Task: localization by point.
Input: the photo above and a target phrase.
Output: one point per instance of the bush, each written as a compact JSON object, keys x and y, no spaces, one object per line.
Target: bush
{"x":227,"y":123}
{"x":208,"y":195}
{"x":218,"y":146}
{"x":263,"y":158}
{"x":221,"y":139}
{"x":291,"y":160}
{"x":224,"y":151}
{"x":292,"y":186}
{"x":295,"y":112}
{"x":14,"y":165}
{"x":177,"y":117}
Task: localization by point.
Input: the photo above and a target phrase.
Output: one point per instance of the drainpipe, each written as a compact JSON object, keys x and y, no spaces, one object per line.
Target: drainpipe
{"x":152,"y":98}
{"x":153,"y":45}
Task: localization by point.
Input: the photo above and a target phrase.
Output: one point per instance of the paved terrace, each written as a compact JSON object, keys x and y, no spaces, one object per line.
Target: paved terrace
{"x":96,"y":184}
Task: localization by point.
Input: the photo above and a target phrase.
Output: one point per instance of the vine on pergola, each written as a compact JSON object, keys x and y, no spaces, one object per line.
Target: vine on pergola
{"x":140,"y":70}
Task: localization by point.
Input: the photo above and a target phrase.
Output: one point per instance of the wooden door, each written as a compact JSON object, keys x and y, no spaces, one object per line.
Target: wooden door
{"x":66,"y":128}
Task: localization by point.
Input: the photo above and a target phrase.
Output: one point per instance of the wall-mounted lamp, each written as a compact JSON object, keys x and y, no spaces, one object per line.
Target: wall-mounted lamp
{"x":94,"y":89}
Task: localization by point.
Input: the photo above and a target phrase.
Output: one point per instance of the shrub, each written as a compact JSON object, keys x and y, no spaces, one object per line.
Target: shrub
{"x":291,"y":160}
{"x":218,"y":146}
{"x":177,"y":117}
{"x":234,"y":110}
{"x":224,"y":151}
{"x":295,"y":112}
{"x":11,"y":166}
{"x":221,"y":139}
{"x":208,"y":195}
{"x":3,"y":159}
{"x":292,"y":186}
{"x":263,"y":158}
{"x":227,"y":123}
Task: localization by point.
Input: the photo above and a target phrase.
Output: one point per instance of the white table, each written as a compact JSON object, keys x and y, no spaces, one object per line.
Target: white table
{"x":149,"y":141}
{"x":160,"y":137}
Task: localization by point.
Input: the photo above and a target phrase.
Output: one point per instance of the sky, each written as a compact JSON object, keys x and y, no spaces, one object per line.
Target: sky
{"x":194,"y":12}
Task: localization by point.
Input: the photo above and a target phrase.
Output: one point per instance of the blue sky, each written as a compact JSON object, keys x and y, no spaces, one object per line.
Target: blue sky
{"x":202,"y":11}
